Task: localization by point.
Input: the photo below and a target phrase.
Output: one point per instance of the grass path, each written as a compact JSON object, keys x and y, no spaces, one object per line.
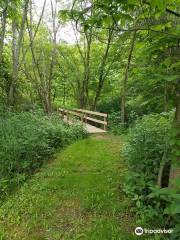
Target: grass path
{"x":77,"y":196}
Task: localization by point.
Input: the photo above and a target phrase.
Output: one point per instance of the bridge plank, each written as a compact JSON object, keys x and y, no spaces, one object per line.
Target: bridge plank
{"x":91,"y":129}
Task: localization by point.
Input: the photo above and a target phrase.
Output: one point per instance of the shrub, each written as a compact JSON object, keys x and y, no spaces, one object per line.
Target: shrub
{"x":134,"y":109}
{"x":114,"y":123}
{"x":170,"y":212}
{"x":109,"y":105}
{"x":144,"y":150}
{"x":27,"y":140}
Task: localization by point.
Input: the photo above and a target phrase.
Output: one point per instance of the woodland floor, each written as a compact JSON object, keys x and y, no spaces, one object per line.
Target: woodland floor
{"x":76,"y":196}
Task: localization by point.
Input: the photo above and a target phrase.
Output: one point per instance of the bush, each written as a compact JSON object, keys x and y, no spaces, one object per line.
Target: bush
{"x":134,"y":110}
{"x":27,"y":140}
{"x":112,"y":107}
{"x":114,"y":123}
{"x":144,"y":151}
{"x":109,"y":105}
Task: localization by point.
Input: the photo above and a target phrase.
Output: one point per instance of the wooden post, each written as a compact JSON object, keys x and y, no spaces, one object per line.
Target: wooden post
{"x":107,"y":122}
{"x":82,"y":117}
{"x":67,"y":114}
{"x":105,"y":128}
{"x":85,"y":116}
{"x":63,"y":114}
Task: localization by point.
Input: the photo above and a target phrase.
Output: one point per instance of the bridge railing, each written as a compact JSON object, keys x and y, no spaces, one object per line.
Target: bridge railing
{"x":86,"y":116}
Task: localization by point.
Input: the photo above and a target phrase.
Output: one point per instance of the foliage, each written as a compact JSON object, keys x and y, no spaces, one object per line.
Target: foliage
{"x":171,"y":211}
{"x":103,"y":69}
{"x":27,"y":141}
{"x":144,"y":150}
{"x":114,"y":123}
{"x":110,"y":105}
{"x":133,"y":112}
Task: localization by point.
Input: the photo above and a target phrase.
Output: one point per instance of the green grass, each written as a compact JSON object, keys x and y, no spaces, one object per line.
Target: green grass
{"x":77,"y":196}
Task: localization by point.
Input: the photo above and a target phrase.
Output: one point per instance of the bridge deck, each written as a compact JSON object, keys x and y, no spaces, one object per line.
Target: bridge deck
{"x":89,"y":128}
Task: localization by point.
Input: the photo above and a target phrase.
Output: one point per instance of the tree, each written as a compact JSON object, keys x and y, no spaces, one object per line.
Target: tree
{"x":4,"y":16}
{"x":125,"y":79}
{"x":17,"y":38}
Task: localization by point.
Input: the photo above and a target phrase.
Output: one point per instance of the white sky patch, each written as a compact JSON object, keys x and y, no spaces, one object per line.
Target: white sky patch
{"x":65,"y":31}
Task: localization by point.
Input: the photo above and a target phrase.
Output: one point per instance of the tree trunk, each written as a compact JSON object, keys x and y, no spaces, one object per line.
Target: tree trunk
{"x":11,"y":95}
{"x":125,"y":80}
{"x":87,"y":71}
{"x":43,"y":81}
{"x":84,"y":93}
{"x":102,"y":74}
{"x":47,"y":104}
{"x":2,"y":36}
{"x":175,"y":165}
{"x":162,"y":165}
{"x":16,"y":47}
{"x":165,"y":97}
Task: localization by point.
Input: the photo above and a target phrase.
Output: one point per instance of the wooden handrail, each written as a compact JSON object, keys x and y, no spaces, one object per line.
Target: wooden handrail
{"x":91,"y":112}
{"x":96,"y":120}
{"x":84,"y":116}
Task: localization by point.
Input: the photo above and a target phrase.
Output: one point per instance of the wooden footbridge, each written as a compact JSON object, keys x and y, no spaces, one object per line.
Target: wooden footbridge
{"x":94,"y":122}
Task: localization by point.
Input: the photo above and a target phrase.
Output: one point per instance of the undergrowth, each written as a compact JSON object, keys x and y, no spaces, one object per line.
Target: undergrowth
{"x":146,"y":149}
{"x":27,"y":141}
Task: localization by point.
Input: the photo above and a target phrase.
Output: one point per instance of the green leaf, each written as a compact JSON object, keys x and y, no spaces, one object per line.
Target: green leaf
{"x":173,"y":209}
{"x":160,"y":4}
{"x":108,"y":20}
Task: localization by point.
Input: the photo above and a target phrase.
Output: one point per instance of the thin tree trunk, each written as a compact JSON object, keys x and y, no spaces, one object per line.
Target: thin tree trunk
{"x":80,"y":93}
{"x":41,"y":80}
{"x":3,"y":31}
{"x":125,"y":80}
{"x":175,"y":165}
{"x":11,"y":94}
{"x":53,"y":58}
{"x":87,"y":70}
{"x":162,"y":165}
{"x":16,"y":47}
{"x":165,"y":97}
{"x":166,"y":85}
{"x":84,"y":89}
{"x":102,"y":74}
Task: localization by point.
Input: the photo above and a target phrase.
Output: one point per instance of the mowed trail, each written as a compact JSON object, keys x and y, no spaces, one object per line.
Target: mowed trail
{"x":77,"y":196}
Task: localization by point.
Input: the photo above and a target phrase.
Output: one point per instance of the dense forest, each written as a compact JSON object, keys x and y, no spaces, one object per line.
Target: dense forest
{"x":123,"y":60}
